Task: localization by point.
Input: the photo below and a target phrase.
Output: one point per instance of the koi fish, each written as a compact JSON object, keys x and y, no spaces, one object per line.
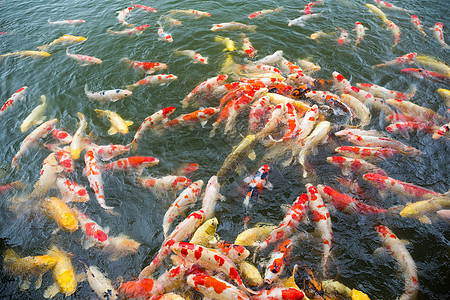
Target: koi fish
{"x":187,"y":197}
{"x":368,"y":99}
{"x":255,"y":235}
{"x":308,"y":6}
{"x":63,"y":274}
{"x":359,"y":109}
{"x":395,"y":30}
{"x":384,"y":4}
{"x":71,"y":191}
{"x":358,"y":166}
{"x":236,"y":253}
{"x":280,"y":293}
{"x":445,"y":94}
{"x":399,"y":252}
{"x":16,"y":97}
{"x":319,"y":34}
{"x":212,"y":194}
{"x":66,"y":22}
{"x":123,"y":14}
{"x":108,"y":95}
{"x":66,"y":39}
{"x":100,"y":284}
{"x":136,"y":31}
{"x":94,"y":234}
{"x":94,"y":176}
{"x":35,"y":117}
{"x":206,"y":88}
{"x":412,"y":109}
{"x":415,"y":20}
{"x":49,"y":172}
{"x":264,"y":12}
{"x":214,"y":288}
{"x":433,"y":64}
{"x":27,"y":267}
{"x":308,"y":66}
{"x":205,"y":235}
{"x":64,"y":157}
{"x":374,"y":141}
{"x":108,"y":152}
{"x":191,"y":12}
{"x":232,"y":26}
{"x":32,"y":139}
{"x":354,"y":131}
{"x":144,"y":7}
{"x":27,"y":53}
{"x":367,"y":153}
{"x":377,"y":11}
{"x":166,"y":183}
{"x":379,"y":91}
{"x":332,"y":286}
{"x":384,"y":183}
{"x":255,"y":187}
{"x":16,"y":184}
{"x":160,"y":79}
{"x":271,"y":59}
{"x":258,"y":114}
{"x":120,"y":246}
{"x":346,"y":203}
{"x":229,"y":44}
{"x":277,"y":261}
{"x":170,"y":20}
{"x":343,"y":37}
{"x":118,"y":125}
{"x":403,"y":127}
{"x":422,"y":73}
{"x":84,"y":59}
{"x":137,"y":289}
{"x":300,"y":21}
{"x":134,"y":164}
{"x":164,"y":35}
{"x":61,"y":136}
{"x":199,"y":116}
{"x":295,"y":215}
{"x":418,"y":209}
{"x":438,"y":34}
{"x":408,"y":58}
{"x":149,"y":123}
{"x":147,"y":67}
{"x":329,"y":99}
{"x":360,"y":32}
{"x":321,"y":217}
{"x":441,"y":131}
{"x":197,"y":58}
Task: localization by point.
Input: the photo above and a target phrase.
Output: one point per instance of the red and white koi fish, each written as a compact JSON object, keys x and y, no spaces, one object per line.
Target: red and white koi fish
{"x":379,"y":91}
{"x":346,"y":203}
{"x":415,"y":20}
{"x":123,"y":14}
{"x":290,"y":67}
{"x":307,"y":123}
{"x":197,"y":58}
{"x":139,"y":289}
{"x":404,"y":127}
{"x":131,"y":31}
{"x":295,"y":215}
{"x":321,"y":217}
{"x":210,"y":259}
{"x":16,"y":184}
{"x":408,"y":58}
{"x":164,"y":184}
{"x":367,"y":153}
{"x":232,"y":26}
{"x":280,"y":293}
{"x":109,"y":95}
{"x":406,"y":118}
{"x":64,"y":157}
{"x":384,"y":184}
{"x":255,"y":187}
{"x":84,"y":59}
{"x":61,"y":136}
{"x":149,"y":123}
{"x":205,"y":88}
{"x":66,"y":22}
{"x":308,"y":6}
{"x":395,"y":30}
{"x":164,"y":35}
{"x":300,"y":21}
{"x":292,"y":123}
{"x":340,"y":82}
{"x":32,"y":139}
{"x":160,"y":79}
{"x":374,"y":141}
{"x":133,"y":164}
{"x":438,"y":34}
{"x":387,"y":5}
{"x":353,"y":187}
{"x":147,"y":67}
{"x":212,"y":194}
{"x":354,"y":165}
{"x":414,"y":110}
{"x":355,"y":131}
{"x":343,"y":38}
{"x":236,"y":253}
{"x":422,"y":73}
{"x":144,"y":7}
{"x":360,"y":32}
{"x":247,"y":46}
{"x":187,"y":197}
{"x":258,"y":114}
{"x":183,"y":231}
{"x":71,"y":191}
{"x":95,"y":235}
{"x":191,"y":12}
{"x":94,"y":176}
{"x":17,"y":96}
{"x":108,"y":152}
{"x":264,"y":12}
{"x":49,"y":172}
{"x":278,"y":260}
{"x":368,"y":99}
{"x":399,"y":252}
{"x":214,"y":288}
{"x":441,"y":131}
{"x":199,"y":116}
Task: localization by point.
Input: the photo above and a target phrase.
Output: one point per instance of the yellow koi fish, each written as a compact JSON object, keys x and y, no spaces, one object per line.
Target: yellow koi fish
{"x":77,"y":144}
{"x":63,"y":274}
{"x":59,"y":212}
{"x":205,"y":235}
{"x":27,"y":53}
{"x":420,"y":208}
{"x":66,"y":39}
{"x":254,"y":236}
{"x":35,"y":117}
{"x":431,"y":63}
{"x":229,"y":44}
{"x":378,"y":11}
{"x":117,"y":123}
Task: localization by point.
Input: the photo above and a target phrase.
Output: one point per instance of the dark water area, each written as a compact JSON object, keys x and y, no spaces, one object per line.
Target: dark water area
{"x":62,"y":80}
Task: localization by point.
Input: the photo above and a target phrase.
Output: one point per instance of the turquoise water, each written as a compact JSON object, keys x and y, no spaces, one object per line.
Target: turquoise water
{"x":62,"y":80}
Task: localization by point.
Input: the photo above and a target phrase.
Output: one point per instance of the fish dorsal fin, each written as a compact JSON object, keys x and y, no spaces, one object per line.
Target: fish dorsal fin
{"x":129,"y":123}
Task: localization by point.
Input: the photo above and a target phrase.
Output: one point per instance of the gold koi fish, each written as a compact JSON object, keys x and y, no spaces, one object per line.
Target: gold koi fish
{"x":27,"y":53}
{"x":117,"y":123}
{"x":205,"y":235}
{"x":254,"y":236}
{"x":63,"y":274}
{"x":64,"y":40}
{"x":57,"y":210}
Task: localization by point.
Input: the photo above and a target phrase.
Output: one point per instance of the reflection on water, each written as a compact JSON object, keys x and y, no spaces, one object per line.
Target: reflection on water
{"x":62,"y":80}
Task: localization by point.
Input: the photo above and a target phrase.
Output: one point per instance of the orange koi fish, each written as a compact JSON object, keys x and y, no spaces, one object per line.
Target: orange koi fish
{"x":215,"y":288}
{"x":147,"y":67}
{"x":134,"y":164}
{"x":236,"y":253}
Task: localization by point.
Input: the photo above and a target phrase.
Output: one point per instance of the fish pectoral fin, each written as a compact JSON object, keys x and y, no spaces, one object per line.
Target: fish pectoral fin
{"x":129,"y":123}
{"x":80,"y":277}
{"x":24,"y":284}
{"x":380,"y":251}
{"x":51,"y":291}
{"x":252,"y":155}
{"x":39,"y":281}
{"x":268,"y":185}
{"x":112,"y":131}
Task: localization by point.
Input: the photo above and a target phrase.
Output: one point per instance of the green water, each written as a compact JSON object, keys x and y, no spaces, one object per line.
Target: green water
{"x":62,"y":80}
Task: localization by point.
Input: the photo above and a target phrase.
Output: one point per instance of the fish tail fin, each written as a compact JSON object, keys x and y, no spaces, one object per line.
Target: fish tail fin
{"x":377,"y":66}
{"x":279,"y":9}
{"x":218,"y":38}
{"x":48,"y":20}
{"x":126,"y":60}
{"x":134,"y":146}
{"x":43,"y":48}
{"x":252,"y":28}
{"x":130,"y":87}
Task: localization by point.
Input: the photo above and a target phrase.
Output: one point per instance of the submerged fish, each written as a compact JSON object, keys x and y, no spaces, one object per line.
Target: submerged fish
{"x":27,"y":53}
{"x":118,"y":125}
{"x":66,"y":39}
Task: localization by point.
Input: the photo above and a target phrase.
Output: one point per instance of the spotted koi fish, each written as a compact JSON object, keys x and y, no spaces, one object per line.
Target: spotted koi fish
{"x":379,"y":91}
{"x":95,"y":235}
{"x":167,"y":183}
{"x":404,"y":59}
{"x":191,"y":12}
{"x":411,"y":109}
{"x":108,"y":95}
{"x":374,"y":141}
{"x":406,"y":118}
{"x":108,"y":152}
{"x":280,"y":293}
{"x":329,"y":99}
{"x":404,"y":127}
{"x":394,"y":29}
{"x":144,"y":7}
{"x":17,"y":96}
{"x":214,"y":288}
{"x":94,"y":176}
{"x":64,"y":157}
{"x":49,"y":172}
{"x":258,"y":114}
{"x":100,"y":284}
{"x":247,"y":46}
{"x":422,"y":73}
{"x":59,"y":212}
{"x":71,"y":191}
{"x":301,"y":90}
{"x":346,"y":203}
{"x":123,"y":14}
{"x":321,"y":217}
{"x":84,"y":59}
{"x":399,"y":252}
{"x":160,"y":79}
{"x":384,"y":4}
{"x":366,"y":153}
{"x":278,"y":260}
{"x":147,"y":67}
{"x":438,"y":34}
{"x":368,"y":99}
{"x":341,"y":83}
{"x":61,"y":136}
{"x":255,"y":187}
{"x":294,"y":216}
{"x":415,"y":20}
{"x":205,"y":89}
{"x":236,"y":253}
{"x":164,"y":35}
{"x":360,"y":32}
{"x":293,"y":125}
{"x":343,"y":37}
{"x":197,"y":58}
{"x":187,"y":197}
{"x":133,"y":164}
{"x":264,"y":12}
{"x":136,"y":31}
{"x":358,"y":166}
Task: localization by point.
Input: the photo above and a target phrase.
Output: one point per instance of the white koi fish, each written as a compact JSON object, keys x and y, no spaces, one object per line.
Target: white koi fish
{"x":123,"y":14}
{"x":205,"y":89}
{"x":160,"y":79}
{"x":214,"y":288}
{"x":300,"y":21}
{"x":232,"y":26}
{"x":84,"y":59}
{"x":395,"y":30}
{"x":387,"y":5}
{"x":35,"y":117}
{"x":197,"y":58}
{"x":197,"y":14}
{"x":100,"y":284}
{"x":164,"y":35}
{"x":67,"y":22}
{"x":49,"y":172}
{"x":212,"y":194}
{"x":118,"y":125}
{"x":108,"y":95}
{"x":131,"y":31}
{"x":360,"y":32}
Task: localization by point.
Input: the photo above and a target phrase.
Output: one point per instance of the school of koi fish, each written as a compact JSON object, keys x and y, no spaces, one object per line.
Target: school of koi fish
{"x":274,"y":104}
